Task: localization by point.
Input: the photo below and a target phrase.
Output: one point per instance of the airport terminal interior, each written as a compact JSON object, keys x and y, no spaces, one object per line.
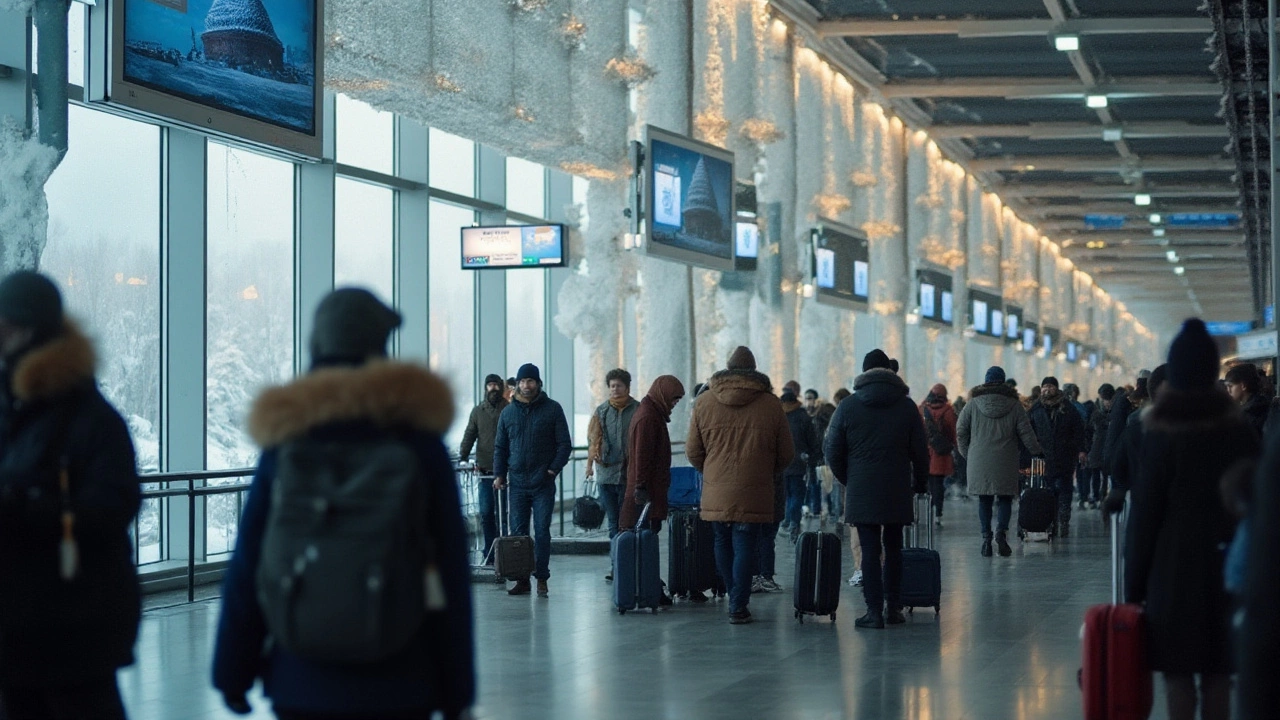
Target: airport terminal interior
{"x":1048,"y":186}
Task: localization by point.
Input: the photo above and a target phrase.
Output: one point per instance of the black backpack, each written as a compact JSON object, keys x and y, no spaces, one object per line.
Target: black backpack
{"x":588,"y":514}
{"x":346,"y":573}
{"x":937,"y":442}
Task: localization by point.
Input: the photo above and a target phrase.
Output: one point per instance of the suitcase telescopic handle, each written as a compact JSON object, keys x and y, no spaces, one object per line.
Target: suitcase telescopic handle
{"x":504,"y":520}
{"x":1115,"y":558}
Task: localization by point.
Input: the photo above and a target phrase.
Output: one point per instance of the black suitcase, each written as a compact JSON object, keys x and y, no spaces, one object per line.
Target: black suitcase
{"x":1038,"y":505}
{"x":691,"y":560}
{"x":512,"y":554}
{"x":817,"y":584}
{"x":921,"y":566}
{"x":588,"y":513}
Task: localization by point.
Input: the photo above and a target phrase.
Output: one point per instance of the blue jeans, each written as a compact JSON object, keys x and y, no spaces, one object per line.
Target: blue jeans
{"x":795,"y":487}
{"x":488,"y":517}
{"x":737,"y":545}
{"x":835,"y":499}
{"x":539,"y":500}
{"x":813,"y":497}
{"x":1003,"y":513}
{"x":877,"y":588}
{"x":766,"y":553}
{"x":611,"y":499}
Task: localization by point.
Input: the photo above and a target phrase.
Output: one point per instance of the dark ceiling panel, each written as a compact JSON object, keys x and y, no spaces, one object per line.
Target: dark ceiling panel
{"x":964,"y":111}
{"x":931,"y":9}
{"x":1190,"y":109}
{"x":1124,"y":56}
{"x":1139,"y":8}
{"x":1197,"y":146}
{"x":997,"y":147}
{"x":931,"y":56}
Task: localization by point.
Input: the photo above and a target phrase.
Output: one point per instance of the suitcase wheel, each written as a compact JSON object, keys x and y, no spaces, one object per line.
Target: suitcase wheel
{"x":833,"y":618}
{"x":911,"y":611}
{"x":936,"y":609}
{"x":621,"y":611}
{"x":799,"y":617}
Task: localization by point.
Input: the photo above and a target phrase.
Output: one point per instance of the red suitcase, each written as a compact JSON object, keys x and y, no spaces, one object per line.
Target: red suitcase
{"x":1115,"y":677}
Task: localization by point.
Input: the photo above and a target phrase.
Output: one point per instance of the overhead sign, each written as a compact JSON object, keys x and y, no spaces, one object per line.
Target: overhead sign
{"x":1202,"y":219}
{"x":1256,"y":346}
{"x":1229,"y":328}
{"x":1269,"y":315}
{"x":1104,"y":222}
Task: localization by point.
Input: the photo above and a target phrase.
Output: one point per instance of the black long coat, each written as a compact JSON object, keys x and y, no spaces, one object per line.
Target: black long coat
{"x":53,"y":631}
{"x":1061,"y":433}
{"x":876,"y":447}
{"x":1178,"y":528}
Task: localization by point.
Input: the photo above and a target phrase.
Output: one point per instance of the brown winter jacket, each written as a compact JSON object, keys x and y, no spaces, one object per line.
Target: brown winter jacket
{"x":648,"y":460}
{"x":739,"y":438}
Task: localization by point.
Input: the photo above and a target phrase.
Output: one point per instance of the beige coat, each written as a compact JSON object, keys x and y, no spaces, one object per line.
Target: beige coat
{"x":740,"y":440}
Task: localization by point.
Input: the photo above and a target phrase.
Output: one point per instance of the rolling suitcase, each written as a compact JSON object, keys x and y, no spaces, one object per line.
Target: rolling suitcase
{"x":1115,"y":677}
{"x":818,"y":578}
{"x":512,"y":554}
{"x":921,"y":566}
{"x":636,"y":580}
{"x":691,"y":562}
{"x":1038,"y":505}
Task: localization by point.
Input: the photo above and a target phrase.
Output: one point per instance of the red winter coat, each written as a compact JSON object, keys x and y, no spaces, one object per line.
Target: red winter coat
{"x":648,"y":461}
{"x":944,"y":417}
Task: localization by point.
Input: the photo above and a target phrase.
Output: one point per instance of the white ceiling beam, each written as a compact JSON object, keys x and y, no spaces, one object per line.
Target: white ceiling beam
{"x":1028,"y":88}
{"x":1080,"y":131}
{"x":1102,"y":163}
{"x":1127,"y":209}
{"x":1015,"y":28}
{"x":1011,"y":191}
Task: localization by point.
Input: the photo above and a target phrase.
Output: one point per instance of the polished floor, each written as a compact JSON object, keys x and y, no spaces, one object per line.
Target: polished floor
{"x":1006,"y":645}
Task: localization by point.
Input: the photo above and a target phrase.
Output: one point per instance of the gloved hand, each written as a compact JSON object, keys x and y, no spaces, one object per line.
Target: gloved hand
{"x":237,"y":704}
{"x":641,"y":497}
{"x":1113,"y":503}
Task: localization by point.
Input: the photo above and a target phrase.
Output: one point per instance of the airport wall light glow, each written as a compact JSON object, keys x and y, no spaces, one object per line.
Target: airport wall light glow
{"x":1096,"y":101}
{"x":1142,"y":199}
{"x":1067,"y":43}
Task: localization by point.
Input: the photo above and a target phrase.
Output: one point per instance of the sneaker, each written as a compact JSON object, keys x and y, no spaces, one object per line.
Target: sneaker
{"x":856,"y":580}
{"x":742,"y":617}
{"x":609,"y":577}
{"x":770,"y":585}
{"x":542,"y":588}
{"x":757,"y":584}
{"x":895,"y":616}
{"x":872,"y":619}
{"x":522,"y":587}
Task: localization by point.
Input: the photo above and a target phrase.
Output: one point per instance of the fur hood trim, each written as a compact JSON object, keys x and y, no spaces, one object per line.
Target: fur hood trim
{"x":791,"y":406}
{"x":993,"y":389}
{"x":55,"y":368}
{"x":383,"y":392}
{"x":878,"y":375}
{"x":1187,"y":411}
{"x":739,"y":387}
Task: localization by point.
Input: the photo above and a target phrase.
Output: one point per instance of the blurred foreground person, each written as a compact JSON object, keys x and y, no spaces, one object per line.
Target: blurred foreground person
{"x":69,"y":601}
{"x":349,"y":591}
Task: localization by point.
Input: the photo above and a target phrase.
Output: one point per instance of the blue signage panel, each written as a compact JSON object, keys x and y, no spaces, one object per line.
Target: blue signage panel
{"x":1229,"y":328}
{"x":1202,"y":219}
{"x":1104,"y":222}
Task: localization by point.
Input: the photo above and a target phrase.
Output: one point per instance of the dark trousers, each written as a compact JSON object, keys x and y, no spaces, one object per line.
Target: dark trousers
{"x":1098,"y":482}
{"x":97,"y":699}
{"x":881,"y":585}
{"x":737,"y":549}
{"x":1063,"y":487}
{"x":937,"y":492}
{"x":540,"y":503}
{"x":1083,"y":485}
{"x":813,"y":492}
{"x":611,"y":499}
{"x":766,"y":555}
{"x":1004,"y":511}
{"x":488,"y":514}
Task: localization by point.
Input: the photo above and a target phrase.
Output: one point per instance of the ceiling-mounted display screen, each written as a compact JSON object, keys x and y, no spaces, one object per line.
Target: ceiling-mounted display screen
{"x":746,"y":228}
{"x":689,"y":201}
{"x":1073,"y":351}
{"x":1049,"y":338}
{"x":249,"y":70}
{"x":986,"y":313}
{"x":841,"y":266}
{"x":936,"y":301}
{"x":1093,"y":360}
{"x":1012,"y":322}
{"x":1029,"y":336}
{"x":503,"y":247}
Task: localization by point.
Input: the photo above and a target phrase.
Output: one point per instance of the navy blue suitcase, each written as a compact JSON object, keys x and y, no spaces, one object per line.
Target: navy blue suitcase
{"x":818,"y":576}
{"x":922,"y":566}
{"x":637,"y":581}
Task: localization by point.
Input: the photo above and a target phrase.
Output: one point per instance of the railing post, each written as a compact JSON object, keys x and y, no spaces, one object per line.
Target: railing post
{"x":191,"y":541}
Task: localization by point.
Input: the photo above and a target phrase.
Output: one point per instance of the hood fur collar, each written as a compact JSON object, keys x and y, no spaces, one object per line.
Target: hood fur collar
{"x":993,"y":389}
{"x":878,"y":375}
{"x":1186,"y":411}
{"x":55,"y":368}
{"x":383,"y":392}
{"x":792,"y":406}
{"x":753,"y":379}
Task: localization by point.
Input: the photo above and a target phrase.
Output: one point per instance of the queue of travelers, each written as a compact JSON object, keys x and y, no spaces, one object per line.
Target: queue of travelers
{"x":356,"y":443}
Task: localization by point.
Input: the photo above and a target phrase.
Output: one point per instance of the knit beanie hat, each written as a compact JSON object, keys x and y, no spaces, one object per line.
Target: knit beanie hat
{"x":793,"y":386}
{"x":995,"y":374}
{"x":742,"y":359}
{"x":491,"y":378}
{"x":1107,"y":391}
{"x":1157,"y":379}
{"x":788,"y":396}
{"x":1050,"y":380}
{"x":1193,"y":357}
{"x":876,"y":359}
{"x":352,"y":324}
{"x":31,"y":300}
{"x":529,"y":371}
{"x":893,"y":364}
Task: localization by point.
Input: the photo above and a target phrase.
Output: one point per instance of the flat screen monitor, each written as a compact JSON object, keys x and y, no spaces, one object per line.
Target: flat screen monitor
{"x":935,"y":296}
{"x":1049,"y":339}
{"x":841,"y":268}
{"x":986,"y":313}
{"x":689,"y":201}
{"x":1012,"y":322}
{"x":746,"y":244}
{"x":1028,"y":338}
{"x":981,"y":316}
{"x":1093,"y":361}
{"x":1073,"y":352}
{"x":504,"y":247}
{"x":246,"y":70}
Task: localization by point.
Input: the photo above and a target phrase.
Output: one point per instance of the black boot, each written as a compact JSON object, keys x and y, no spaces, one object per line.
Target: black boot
{"x":986,"y":545}
{"x":1064,"y":528}
{"x":895,"y":616}
{"x":1002,"y":545}
{"x":873,"y":619}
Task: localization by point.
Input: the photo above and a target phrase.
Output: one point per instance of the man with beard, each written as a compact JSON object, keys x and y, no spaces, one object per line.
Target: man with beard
{"x":482,"y":427}
{"x":607,"y":435}
{"x":1061,"y":434}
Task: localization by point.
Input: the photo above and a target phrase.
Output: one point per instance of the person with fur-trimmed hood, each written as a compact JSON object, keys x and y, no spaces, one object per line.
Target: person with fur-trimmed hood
{"x":1178,"y":526}
{"x":989,"y":432}
{"x":69,"y":599}
{"x":876,"y":448}
{"x":740,"y":440}
{"x":392,"y":416}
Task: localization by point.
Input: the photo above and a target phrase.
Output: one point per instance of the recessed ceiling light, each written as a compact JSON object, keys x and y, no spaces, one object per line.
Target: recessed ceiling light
{"x":1171,"y":256}
{"x":1142,"y":199}
{"x":1154,"y":219}
{"x":1112,"y":134}
{"x":1096,"y":101}
{"x":1067,"y":43}
{"x":1179,"y":270}
{"x":1158,"y":232}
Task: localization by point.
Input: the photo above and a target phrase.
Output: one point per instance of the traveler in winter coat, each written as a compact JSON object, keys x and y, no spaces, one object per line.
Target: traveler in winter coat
{"x":1124,"y":470}
{"x":648,"y":464}
{"x":65,"y":628}
{"x":1178,"y":527}
{"x":607,"y":434}
{"x":531,"y":449}
{"x":808,"y":451}
{"x":1099,"y":422}
{"x":1244,"y":385}
{"x":740,"y":440}
{"x":482,"y":428}
{"x":821,"y":412}
{"x":353,"y":404}
{"x":1060,"y":431}
{"x":988,"y":434}
{"x":940,"y":429}
{"x":1120,"y":409}
{"x":1259,"y":632}
{"x":877,"y":449}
